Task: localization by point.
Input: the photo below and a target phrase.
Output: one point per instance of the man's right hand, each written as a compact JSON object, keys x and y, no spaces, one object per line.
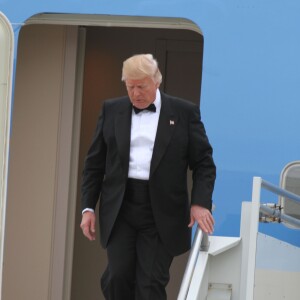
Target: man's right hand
{"x":87,"y":225}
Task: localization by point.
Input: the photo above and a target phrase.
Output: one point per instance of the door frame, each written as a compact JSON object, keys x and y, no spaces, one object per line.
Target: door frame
{"x":6,"y":79}
{"x":64,"y":215}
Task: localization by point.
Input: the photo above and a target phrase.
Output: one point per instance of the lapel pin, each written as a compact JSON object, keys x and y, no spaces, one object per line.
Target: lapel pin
{"x":172,"y":122}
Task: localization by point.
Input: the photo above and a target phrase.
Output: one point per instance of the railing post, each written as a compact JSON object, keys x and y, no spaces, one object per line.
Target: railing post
{"x":205,"y":242}
{"x":254,"y":221}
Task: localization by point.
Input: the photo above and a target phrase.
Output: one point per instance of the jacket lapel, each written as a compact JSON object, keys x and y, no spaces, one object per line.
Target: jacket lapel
{"x":165,"y":129}
{"x":122,"y":132}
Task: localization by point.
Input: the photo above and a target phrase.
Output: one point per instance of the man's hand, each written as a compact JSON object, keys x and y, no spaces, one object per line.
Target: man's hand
{"x":203,"y":217}
{"x":88,"y":225}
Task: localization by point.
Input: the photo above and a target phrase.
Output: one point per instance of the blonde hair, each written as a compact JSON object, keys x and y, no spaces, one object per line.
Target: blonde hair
{"x":140,"y":66}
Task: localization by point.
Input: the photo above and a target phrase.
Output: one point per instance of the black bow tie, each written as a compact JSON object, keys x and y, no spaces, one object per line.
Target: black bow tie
{"x":151,"y":107}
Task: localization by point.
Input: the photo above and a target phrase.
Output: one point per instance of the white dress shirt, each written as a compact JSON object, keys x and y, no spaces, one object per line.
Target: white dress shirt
{"x":143,"y":133}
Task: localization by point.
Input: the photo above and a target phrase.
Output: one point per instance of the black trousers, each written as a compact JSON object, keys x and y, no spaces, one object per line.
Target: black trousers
{"x":138,"y":263}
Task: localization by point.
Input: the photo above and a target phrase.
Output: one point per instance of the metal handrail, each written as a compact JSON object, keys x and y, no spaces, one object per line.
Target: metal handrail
{"x":273,"y":212}
{"x":279,"y":191}
{"x":200,"y":243}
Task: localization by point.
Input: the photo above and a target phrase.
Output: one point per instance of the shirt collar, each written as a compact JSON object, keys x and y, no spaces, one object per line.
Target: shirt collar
{"x":157,"y":100}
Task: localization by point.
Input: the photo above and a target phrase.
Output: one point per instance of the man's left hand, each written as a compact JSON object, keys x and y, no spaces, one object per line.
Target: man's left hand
{"x":203,"y":217}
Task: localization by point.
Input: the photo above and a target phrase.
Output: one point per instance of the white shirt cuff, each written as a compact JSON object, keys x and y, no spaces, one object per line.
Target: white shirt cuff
{"x":88,"y":209}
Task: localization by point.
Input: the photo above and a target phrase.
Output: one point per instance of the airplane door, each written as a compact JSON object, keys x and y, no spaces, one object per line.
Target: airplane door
{"x":6,"y":63}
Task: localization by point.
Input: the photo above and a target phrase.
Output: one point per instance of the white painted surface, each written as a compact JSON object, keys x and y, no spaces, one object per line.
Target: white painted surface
{"x":276,"y":285}
{"x":277,"y":273}
{"x":217,"y":267}
{"x":273,"y":254}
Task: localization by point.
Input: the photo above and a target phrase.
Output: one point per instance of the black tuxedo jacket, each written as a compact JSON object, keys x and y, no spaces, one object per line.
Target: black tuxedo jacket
{"x":181,"y":142}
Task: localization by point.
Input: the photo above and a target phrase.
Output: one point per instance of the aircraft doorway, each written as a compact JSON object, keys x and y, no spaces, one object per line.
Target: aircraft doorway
{"x":179,"y":53}
{"x":54,"y":117}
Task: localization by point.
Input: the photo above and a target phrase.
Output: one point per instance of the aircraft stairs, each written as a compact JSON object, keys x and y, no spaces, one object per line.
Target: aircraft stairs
{"x":225,"y":268}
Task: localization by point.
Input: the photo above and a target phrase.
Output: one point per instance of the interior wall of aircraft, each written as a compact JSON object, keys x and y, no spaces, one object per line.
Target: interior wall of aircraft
{"x":179,"y":53}
{"x":43,"y":217}
{"x":33,"y":198}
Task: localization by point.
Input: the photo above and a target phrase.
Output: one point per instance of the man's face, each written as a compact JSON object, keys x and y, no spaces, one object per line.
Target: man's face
{"x":141,"y":92}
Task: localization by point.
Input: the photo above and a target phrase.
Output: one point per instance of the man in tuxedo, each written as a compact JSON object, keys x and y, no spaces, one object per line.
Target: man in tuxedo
{"x":137,"y":164}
